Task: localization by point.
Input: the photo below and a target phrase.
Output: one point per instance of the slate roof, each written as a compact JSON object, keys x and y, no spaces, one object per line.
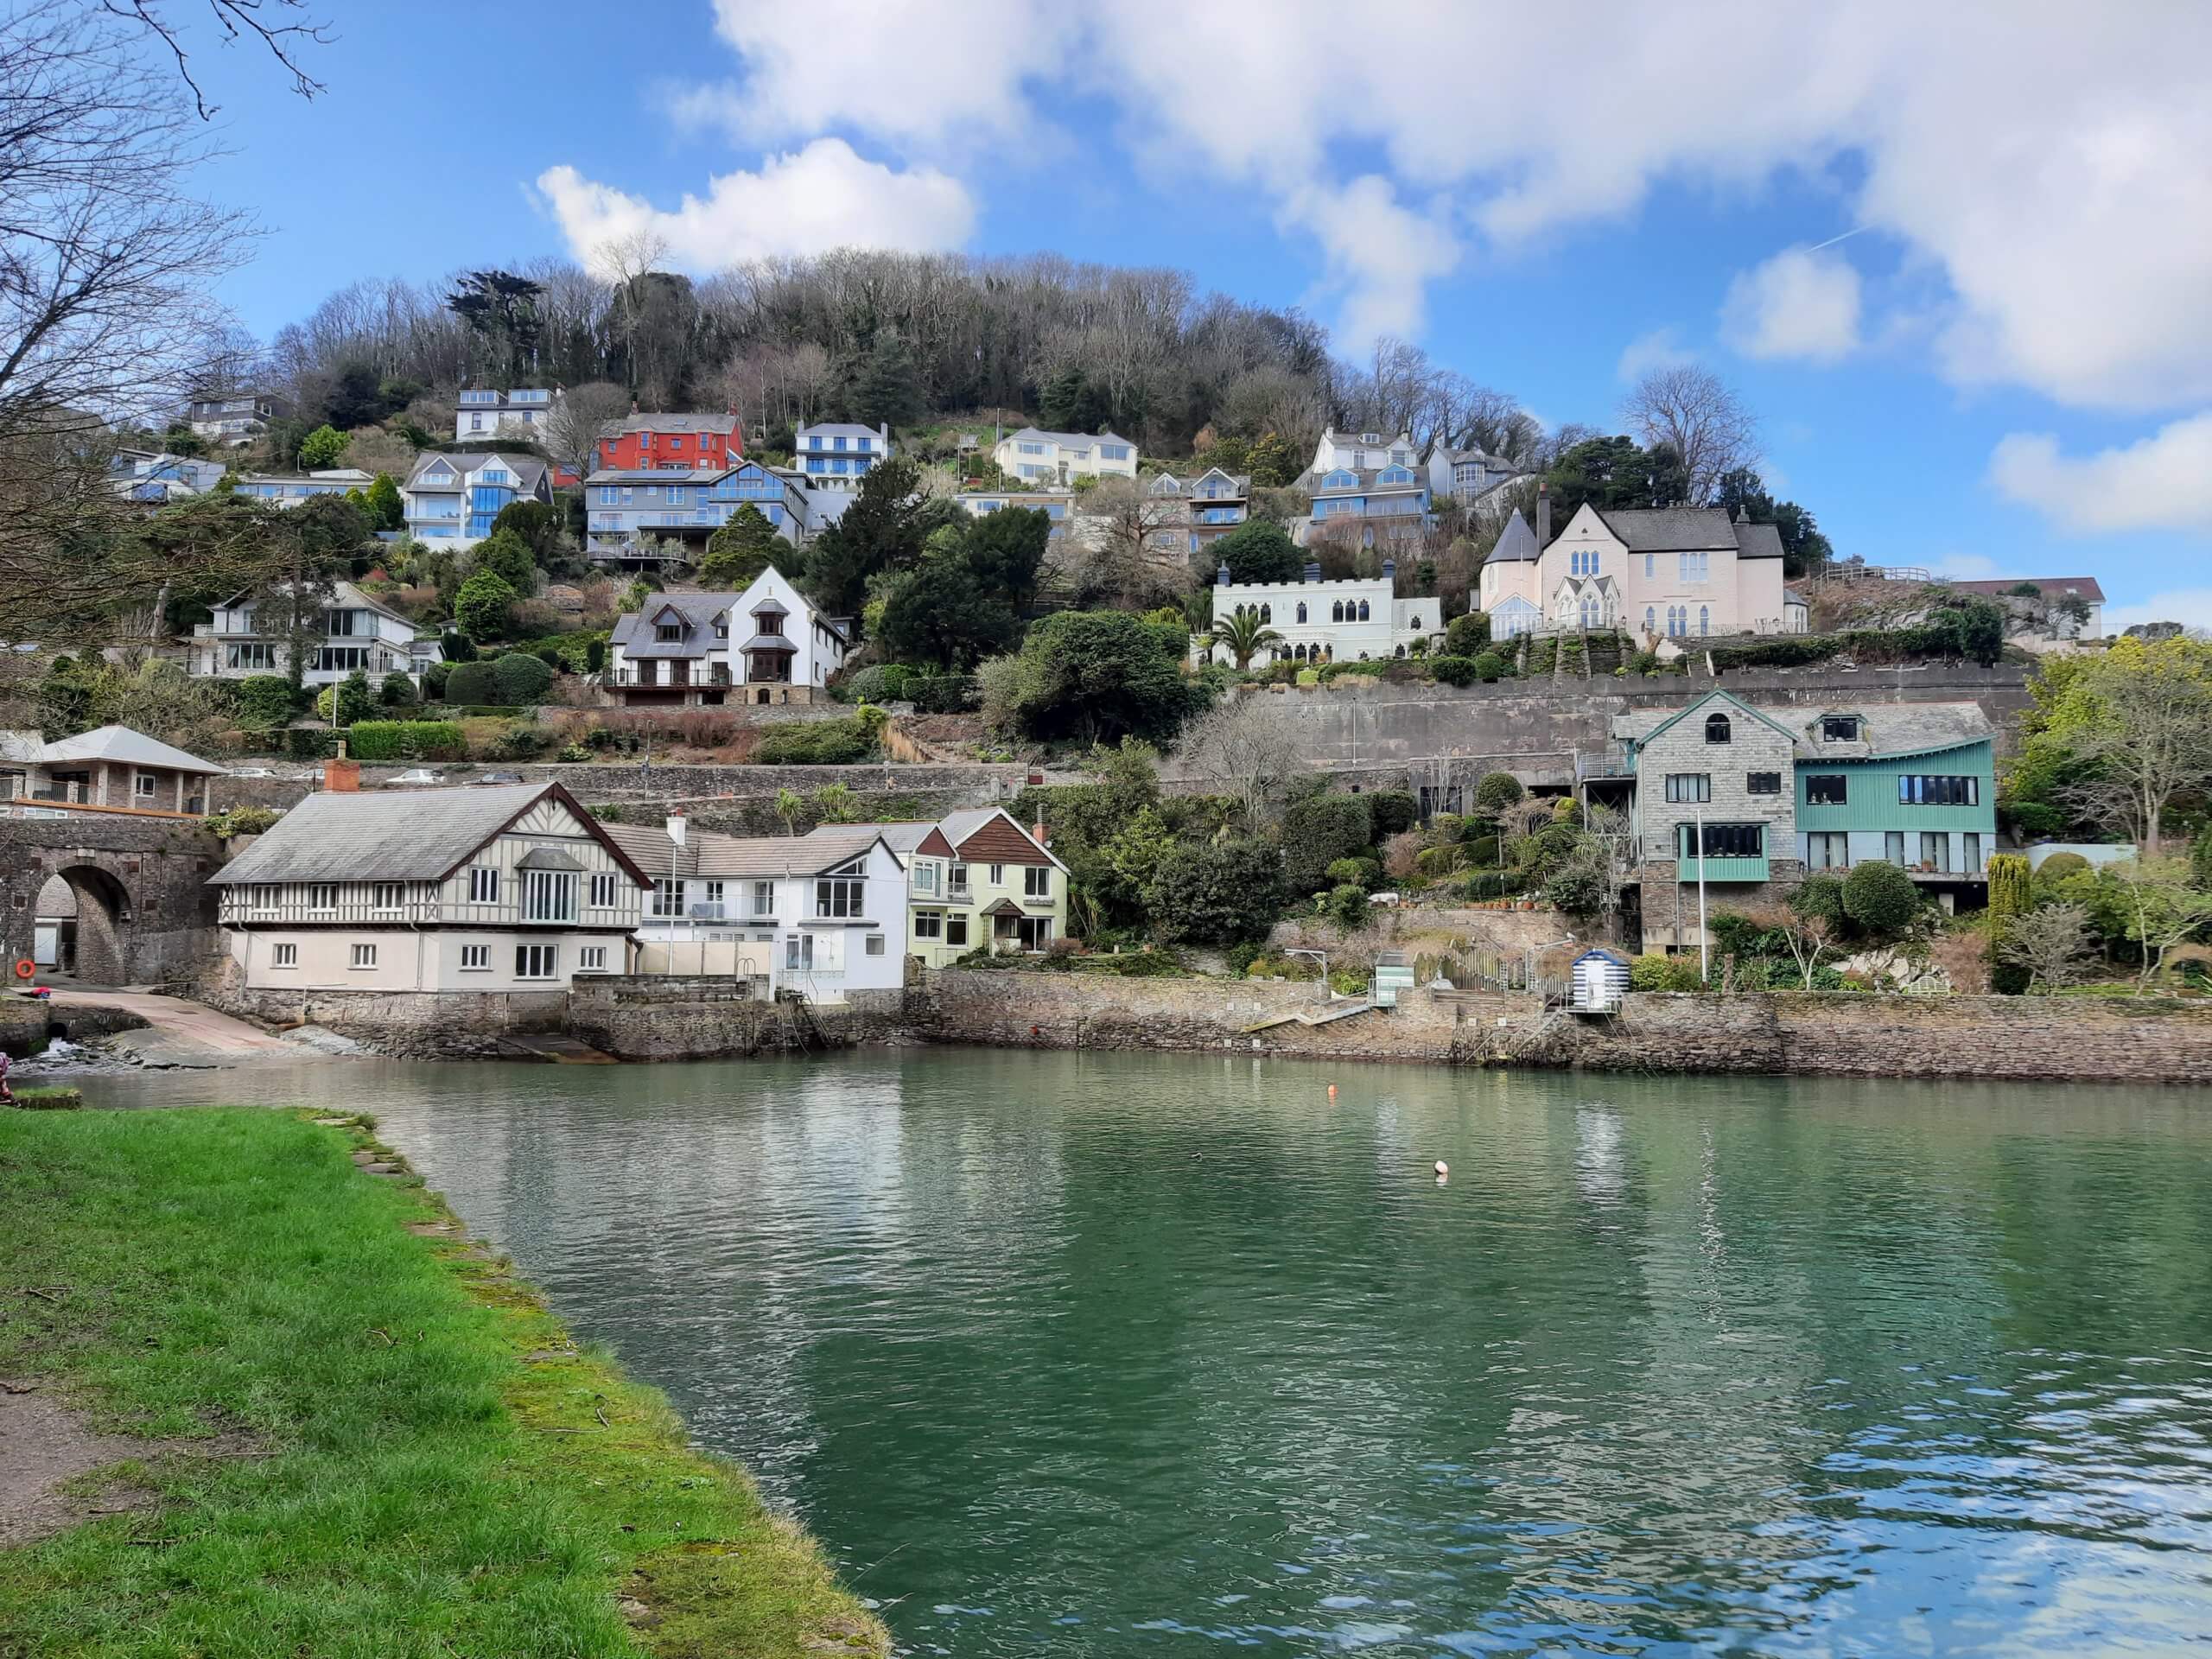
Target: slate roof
{"x":1516,"y":543}
{"x":693,"y":421}
{"x":528,"y":470}
{"x":418,"y":835}
{"x":1667,"y":530}
{"x":1069,"y":439}
{"x":710,"y":853}
{"x":902,"y":838}
{"x":839,"y":430}
{"x":2053,"y":587}
{"x":1892,"y":729}
{"x":634,"y":630}
{"x":125,"y":746}
{"x":1757,"y":541}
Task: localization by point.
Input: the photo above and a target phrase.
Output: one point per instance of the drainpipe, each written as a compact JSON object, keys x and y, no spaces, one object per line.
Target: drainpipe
{"x":1704,"y":939}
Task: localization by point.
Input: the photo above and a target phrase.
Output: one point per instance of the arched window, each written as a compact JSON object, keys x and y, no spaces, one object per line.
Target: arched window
{"x":1266,"y":612}
{"x":1593,"y":612}
{"x":1337,"y":612}
{"x":1301,"y":610}
{"x":1705,"y":619}
{"x":1363,"y":610}
{"x":1650,"y":620}
{"x":1716,"y":728}
{"x":1400,"y":651}
{"x":1298,"y":655}
{"x":1327,"y":653}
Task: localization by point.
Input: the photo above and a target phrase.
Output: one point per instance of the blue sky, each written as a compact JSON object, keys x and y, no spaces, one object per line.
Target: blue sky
{"x":2004,"y":368}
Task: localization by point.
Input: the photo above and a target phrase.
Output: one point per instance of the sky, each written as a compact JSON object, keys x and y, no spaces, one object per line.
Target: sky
{"x":1958,"y":258}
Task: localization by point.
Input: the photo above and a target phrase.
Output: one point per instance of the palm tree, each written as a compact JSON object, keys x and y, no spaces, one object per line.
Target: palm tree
{"x":1245,"y":635}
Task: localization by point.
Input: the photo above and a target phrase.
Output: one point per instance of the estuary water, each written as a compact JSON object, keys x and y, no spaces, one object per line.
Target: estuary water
{"x":1134,"y":1354}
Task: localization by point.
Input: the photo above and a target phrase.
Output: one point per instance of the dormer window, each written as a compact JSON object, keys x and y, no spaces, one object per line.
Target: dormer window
{"x":1839,"y":728}
{"x":721,"y":627}
{"x":1716,"y":729}
{"x":769,"y":621}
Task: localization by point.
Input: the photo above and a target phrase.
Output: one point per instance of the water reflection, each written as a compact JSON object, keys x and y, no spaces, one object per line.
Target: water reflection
{"x":1105,"y":1354}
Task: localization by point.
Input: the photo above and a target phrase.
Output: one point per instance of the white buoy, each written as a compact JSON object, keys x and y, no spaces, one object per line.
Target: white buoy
{"x":1443,"y":1168}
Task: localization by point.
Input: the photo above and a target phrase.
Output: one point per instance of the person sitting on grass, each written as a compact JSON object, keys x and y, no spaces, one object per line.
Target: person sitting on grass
{"x":7,"y":1094}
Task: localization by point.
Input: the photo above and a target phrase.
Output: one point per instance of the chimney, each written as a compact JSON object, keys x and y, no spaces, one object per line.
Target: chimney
{"x":1221,"y":575}
{"x":676,"y":826}
{"x":1390,"y":570}
{"x":1743,"y":513}
{"x":341,"y":776}
{"x":1039,"y":831}
{"x":1313,"y":570}
{"x":1543,"y":515}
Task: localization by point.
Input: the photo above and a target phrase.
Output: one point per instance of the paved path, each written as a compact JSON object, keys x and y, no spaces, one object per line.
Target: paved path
{"x":186,"y":1025}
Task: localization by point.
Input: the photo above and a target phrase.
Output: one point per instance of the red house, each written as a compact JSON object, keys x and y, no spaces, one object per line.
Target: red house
{"x":678,"y":443}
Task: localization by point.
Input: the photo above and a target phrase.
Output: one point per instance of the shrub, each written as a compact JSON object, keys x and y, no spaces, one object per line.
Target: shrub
{"x":817,"y":743}
{"x":1402,"y":853}
{"x":1497,"y":791}
{"x":1455,"y":670}
{"x":1818,"y":895}
{"x":884,"y":682}
{"x":398,"y":691}
{"x":1466,"y":636}
{"x":434,"y":678}
{"x":1318,"y":831}
{"x":2054,"y":870}
{"x":594,"y":654}
{"x":1362,"y":873}
{"x":1390,"y":810}
{"x":1660,"y":973}
{"x":470,"y":682}
{"x":1447,"y":829}
{"x":1493,"y":884}
{"x":407,"y":740}
{"x":521,"y":743}
{"x":310,"y":743}
{"x":1483,"y":850}
{"x":1880,"y":899}
{"x":1240,"y":957}
{"x":1217,"y":894}
{"x":1489,"y":666}
{"x":1372,"y":670}
{"x":518,"y":680}
{"x":458,"y":647}
{"x":266,"y":701}
{"x":2012,"y":895}
{"x":1346,"y":906}
{"x":1436,"y":861}
{"x":241,"y":821}
{"x":941,"y":694}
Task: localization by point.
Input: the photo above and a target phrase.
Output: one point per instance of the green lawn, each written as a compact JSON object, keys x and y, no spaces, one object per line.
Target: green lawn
{"x":423,"y":1487}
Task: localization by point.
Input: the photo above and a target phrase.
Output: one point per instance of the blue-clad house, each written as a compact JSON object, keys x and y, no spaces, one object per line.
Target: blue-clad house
{"x":1366,"y":506}
{"x":450,"y":500}
{"x":633,"y":514}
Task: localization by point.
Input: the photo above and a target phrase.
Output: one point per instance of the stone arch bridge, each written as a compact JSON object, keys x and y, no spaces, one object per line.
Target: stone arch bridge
{"x":144,"y":911}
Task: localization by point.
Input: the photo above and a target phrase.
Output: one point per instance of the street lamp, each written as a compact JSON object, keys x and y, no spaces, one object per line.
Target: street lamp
{"x":1301,"y":950}
{"x":1528,"y":958}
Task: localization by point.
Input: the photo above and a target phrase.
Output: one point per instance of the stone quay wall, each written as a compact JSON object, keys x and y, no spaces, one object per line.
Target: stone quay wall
{"x":1011,"y":1009}
{"x":412,"y":1025}
{"x":2055,"y":1039}
{"x":704,"y":1017}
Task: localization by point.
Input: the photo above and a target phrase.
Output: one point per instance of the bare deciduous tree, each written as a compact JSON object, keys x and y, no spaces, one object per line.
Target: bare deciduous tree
{"x":1248,"y":751}
{"x":2051,"y":946}
{"x":622,"y":262}
{"x":1128,"y":545}
{"x":1693,"y":411}
{"x":580,"y":418}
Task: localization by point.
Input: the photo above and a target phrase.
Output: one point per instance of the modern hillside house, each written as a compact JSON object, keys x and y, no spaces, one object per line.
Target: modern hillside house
{"x":974,"y":880}
{"x":766,"y":644}
{"x":1752,"y":799}
{"x":1357,"y":619}
{"x":1048,"y":458}
{"x":836,"y":454}
{"x":290,"y":489}
{"x":451,"y":500}
{"x":636,"y":516}
{"x":524,"y":411}
{"x":674,"y":442}
{"x":246,"y":636}
{"x":1682,"y":574}
{"x":1056,"y":505}
{"x":817,"y":915}
{"x":1361,"y":451}
{"x":112,"y":769}
{"x":506,"y":888}
{"x":1205,"y":508}
{"x":232,"y":418}
{"x":153,"y":478}
{"x":1366,"y":506}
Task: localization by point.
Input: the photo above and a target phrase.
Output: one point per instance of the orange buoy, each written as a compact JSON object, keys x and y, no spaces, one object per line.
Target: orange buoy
{"x":25,"y":968}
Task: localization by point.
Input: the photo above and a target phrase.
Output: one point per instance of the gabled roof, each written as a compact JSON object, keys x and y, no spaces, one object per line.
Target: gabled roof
{"x":346,"y":597}
{"x":126,"y":747}
{"x":1068,"y":440}
{"x":1890,"y":730}
{"x":964,"y":827}
{"x":2052,"y":587}
{"x":1363,"y":479}
{"x":527,"y":469}
{"x":418,"y":834}
{"x":634,"y":630}
{"x":841,"y":429}
{"x":1516,"y":543}
{"x":1643,"y":725}
{"x":1668,"y":530}
{"x":901,"y":838}
{"x":692,"y":421}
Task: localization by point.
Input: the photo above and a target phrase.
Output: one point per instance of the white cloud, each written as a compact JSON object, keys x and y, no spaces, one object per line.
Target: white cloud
{"x":1965,"y":567}
{"x":2045,"y":179}
{"x":1799,"y":304}
{"x":2191,"y":606}
{"x":2162,"y":482}
{"x":1662,"y":348}
{"x":808,"y":201}
{"x":1379,"y":253}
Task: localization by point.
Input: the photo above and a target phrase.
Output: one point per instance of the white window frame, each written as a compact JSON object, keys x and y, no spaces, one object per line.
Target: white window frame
{"x":318,"y":892}
{"x":605,"y":895}
{"x":284,"y":956}
{"x":388,"y":898}
{"x":1036,"y":882}
{"x":591,"y":959}
{"x":476,"y":958}
{"x":362,"y":958}
{"x":549,"y":895}
{"x":529,"y":959}
{"x":483,"y":885}
{"x":144,"y":786}
{"x":929,"y":925}
{"x":874,"y":947}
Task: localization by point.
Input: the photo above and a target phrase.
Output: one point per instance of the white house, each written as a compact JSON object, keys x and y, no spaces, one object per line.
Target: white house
{"x":766,"y":644}
{"x":247,"y":637}
{"x":1361,"y":451}
{"x":478,"y":888}
{"x":975,"y":879}
{"x":836,"y":454}
{"x":821,"y":914}
{"x":450,"y":501}
{"x":1056,"y":505}
{"x":1063,"y":457}
{"x":153,"y":478}
{"x":232,"y":418}
{"x":1466,"y":475}
{"x":1663,"y":573}
{"x":634,"y":512}
{"x":1354,"y":620}
{"x":484,"y":414}
{"x":290,"y":489}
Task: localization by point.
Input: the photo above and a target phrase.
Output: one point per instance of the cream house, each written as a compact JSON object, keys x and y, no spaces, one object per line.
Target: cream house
{"x":973,"y":879}
{"x":478,"y":888}
{"x":1063,"y":457}
{"x":1664,"y":573}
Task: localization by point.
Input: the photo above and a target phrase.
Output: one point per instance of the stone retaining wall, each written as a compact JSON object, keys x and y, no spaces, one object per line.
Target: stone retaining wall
{"x":2059,"y":1039}
{"x":413,"y":1024}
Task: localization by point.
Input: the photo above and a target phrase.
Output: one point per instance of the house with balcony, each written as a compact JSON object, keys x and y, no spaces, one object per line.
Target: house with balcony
{"x":817,"y":915}
{"x":1662,"y":574}
{"x":451,"y":500}
{"x":152,"y":479}
{"x":486,"y":413}
{"x":230,"y":419}
{"x":1203,"y":509}
{"x":1466,"y":475}
{"x":1059,"y":505}
{"x":110,"y":770}
{"x":1363,"y":506}
{"x":764,"y":645}
{"x":1354,"y":620}
{"x":290,"y":489}
{"x":975,"y":880}
{"x":836,"y":455}
{"x":644,"y":516}
{"x":677,"y":442}
{"x":247,"y":636}
{"x":1361,"y":451}
{"x":1048,"y":458}
{"x":502,"y":888}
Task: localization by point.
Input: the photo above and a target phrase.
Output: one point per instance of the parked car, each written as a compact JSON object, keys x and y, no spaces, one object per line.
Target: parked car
{"x":253,"y":771}
{"x":500,"y":778}
{"x":418,"y":775}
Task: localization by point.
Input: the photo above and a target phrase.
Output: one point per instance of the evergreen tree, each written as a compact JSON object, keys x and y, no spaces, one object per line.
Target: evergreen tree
{"x":383,"y":505}
{"x":741,"y":551}
{"x":887,"y":387}
{"x":506,"y":556}
{"x":2012,"y":895}
{"x":322,"y":448}
{"x":882,"y":530}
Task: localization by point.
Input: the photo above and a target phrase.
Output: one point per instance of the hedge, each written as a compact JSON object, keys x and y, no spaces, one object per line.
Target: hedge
{"x":406,"y":739}
{"x":818,"y":743}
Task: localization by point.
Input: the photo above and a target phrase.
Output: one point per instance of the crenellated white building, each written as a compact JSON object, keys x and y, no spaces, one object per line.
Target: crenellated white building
{"x":1357,"y":619}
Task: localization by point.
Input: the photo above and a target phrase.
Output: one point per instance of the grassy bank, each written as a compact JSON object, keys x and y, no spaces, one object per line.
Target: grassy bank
{"x":431,"y":1469}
